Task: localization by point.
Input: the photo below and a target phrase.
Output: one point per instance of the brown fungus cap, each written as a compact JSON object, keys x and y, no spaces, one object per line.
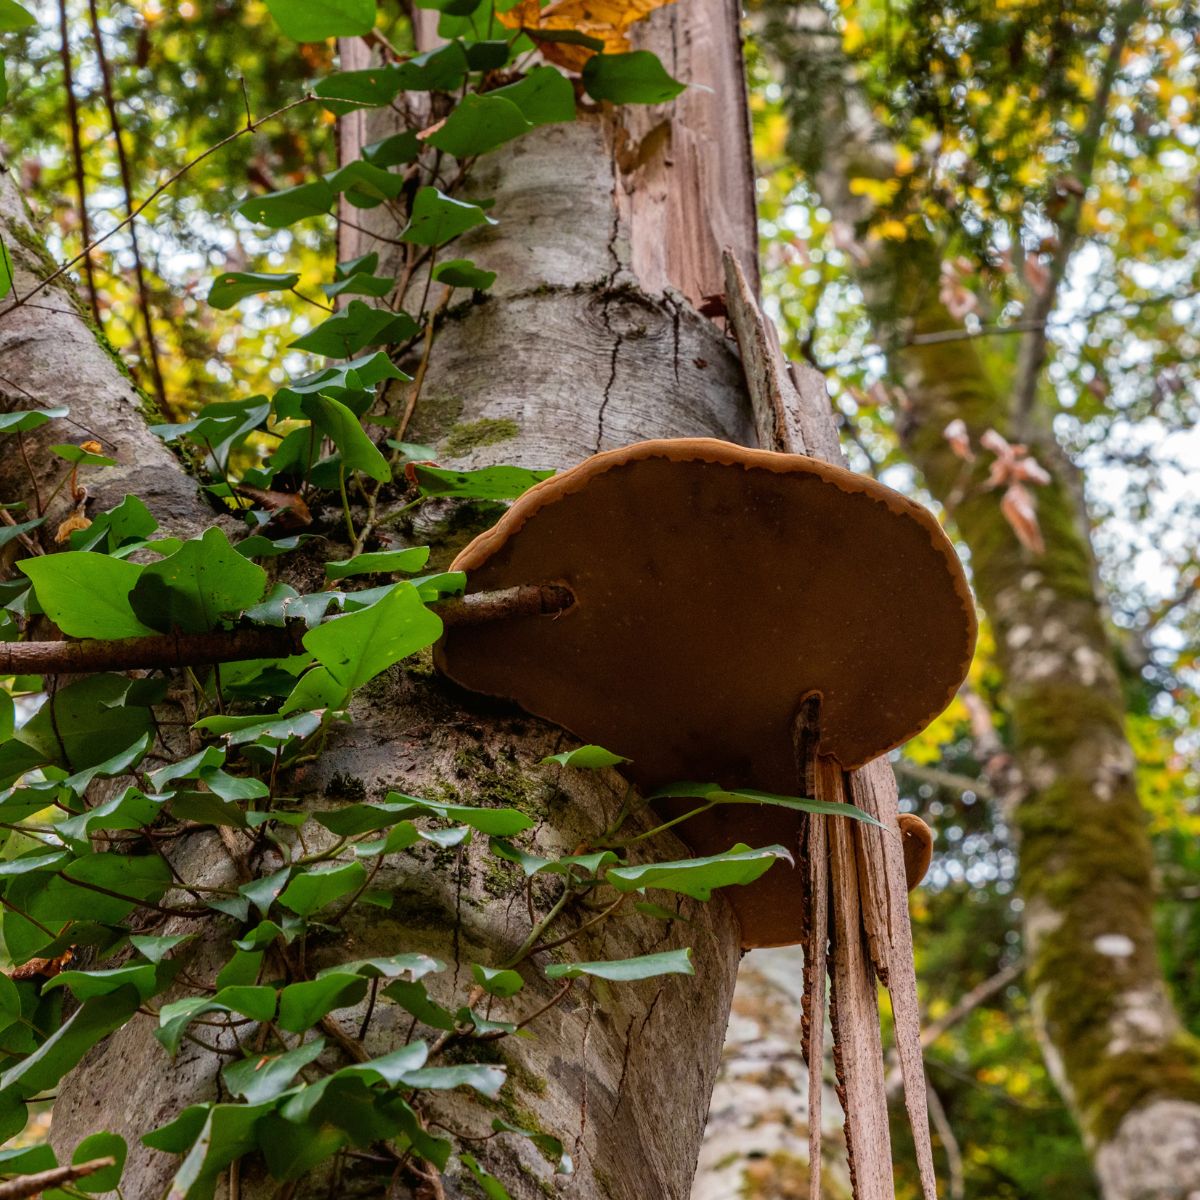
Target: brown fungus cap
{"x":717,"y":587}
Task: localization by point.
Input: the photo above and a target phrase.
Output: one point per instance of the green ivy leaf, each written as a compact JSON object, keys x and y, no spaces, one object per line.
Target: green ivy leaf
{"x":532,"y":864}
{"x":381,"y":562}
{"x":261,"y":1078}
{"x":393,"y":151}
{"x":627,"y":970}
{"x":360,"y":284}
{"x":81,"y":725}
{"x":257,"y":1003}
{"x":314,"y":889}
{"x":316,"y":20}
{"x":228,"y":1132}
{"x":437,"y":219}
{"x":302,"y":1005}
{"x":486,"y":483}
{"x":92,"y":1021}
{"x":414,"y":999}
{"x":411,"y":963}
{"x":364,"y":184}
{"x":79,"y":457}
{"x":22,"y":420}
{"x":462,"y":272}
{"x":358,"y":646}
{"x":491,"y":1187}
{"x":549,"y":1145}
{"x":101,"y":1145}
{"x":6,"y":264}
{"x":342,"y":427}
{"x":289,"y":205}
{"x":358,"y":325}
{"x":699,"y":877}
{"x":591,"y":758}
{"x":14,"y":17}
{"x":634,"y":78}
{"x":714,"y":794}
{"x":479,"y":124}
{"x":204,"y":580}
{"x":486,"y":1080}
{"x":346,"y":91}
{"x":233,"y":286}
{"x":85,"y":985}
{"x":399,"y":837}
{"x":499,"y":822}
{"x":10,"y":533}
{"x":497,"y":982}
{"x":440,"y":70}
{"x":545,"y":96}
{"x":157,"y":948}
{"x":86,"y":595}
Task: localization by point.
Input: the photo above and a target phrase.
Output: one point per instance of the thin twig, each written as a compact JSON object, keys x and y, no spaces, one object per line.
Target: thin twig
{"x":34,"y":1185}
{"x":173,"y":178}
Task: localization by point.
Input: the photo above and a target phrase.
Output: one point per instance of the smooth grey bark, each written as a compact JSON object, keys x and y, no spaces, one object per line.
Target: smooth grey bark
{"x":590,"y":339}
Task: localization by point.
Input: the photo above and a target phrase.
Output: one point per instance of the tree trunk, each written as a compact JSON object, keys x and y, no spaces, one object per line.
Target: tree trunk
{"x":610,"y":232}
{"x":1110,"y":1035}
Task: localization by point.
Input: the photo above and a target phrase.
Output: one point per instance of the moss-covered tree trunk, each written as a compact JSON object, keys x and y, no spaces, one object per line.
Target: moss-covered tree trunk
{"x":1110,"y":1035}
{"x":609,"y":234}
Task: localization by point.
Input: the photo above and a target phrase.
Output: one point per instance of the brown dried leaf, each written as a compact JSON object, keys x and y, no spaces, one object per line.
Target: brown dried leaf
{"x":72,"y":523}
{"x":43,"y":968}
{"x":960,"y":440}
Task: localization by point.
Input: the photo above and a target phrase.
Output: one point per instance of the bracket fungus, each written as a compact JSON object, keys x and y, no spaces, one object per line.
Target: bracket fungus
{"x":717,"y":589}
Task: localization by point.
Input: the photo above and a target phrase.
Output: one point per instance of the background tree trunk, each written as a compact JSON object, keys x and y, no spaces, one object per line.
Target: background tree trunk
{"x":610,"y":234}
{"x":1110,"y":1035}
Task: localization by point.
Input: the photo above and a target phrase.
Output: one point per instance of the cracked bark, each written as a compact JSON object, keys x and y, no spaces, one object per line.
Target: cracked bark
{"x":1105,"y":1020}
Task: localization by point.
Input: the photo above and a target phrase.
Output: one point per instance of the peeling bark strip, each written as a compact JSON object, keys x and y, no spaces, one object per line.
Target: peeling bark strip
{"x":792,"y":412}
{"x":160,"y":651}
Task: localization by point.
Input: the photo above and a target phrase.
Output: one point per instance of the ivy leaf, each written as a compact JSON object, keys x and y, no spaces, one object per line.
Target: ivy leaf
{"x":497,"y":982}
{"x":591,"y":758}
{"x":545,"y":96}
{"x":86,"y":595}
{"x":395,"y":150}
{"x":440,"y":70}
{"x":411,"y":963}
{"x":157,"y":948}
{"x":399,"y":837}
{"x":346,"y":91}
{"x":699,"y":877}
{"x":532,"y":864}
{"x":491,"y":1187}
{"x":437,"y":219}
{"x":302,"y":1005}
{"x":627,"y":970}
{"x":10,"y":533}
{"x":343,"y":428}
{"x":92,"y":1021}
{"x":356,"y":376}
{"x":486,"y":483}
{"x":715,"y":794}
{"x":414,"y":999}
{"x":462,"y":272}
{"x":360,"y":284}
{"x":381,"y":562}
{"x":479,"y":124}
{"x":358,"y":646}
{"x":499,"y":822}
{"x":205,"y":579}
{"x":14,"y":17}
{"x":316,"y":20}
{"x":81,"y":725}
{"x":257,"y":1003}
{"x":634,"y":78}
{"x":289,"y":205}
{"x":218,"y":425}
{"x":233,"y":286}
{"x":85,"y":985}
{"x":227,"y":1133}
{"x":545,"y":1142}
{"x":22,"y":420}
{"x":314,"y":889}
{"x":364,"y":184}
{"x":263,"y":1077}
{"x":486,"y":1080}
{"x":79,"y":457}
{"x":358,"y":325}
{"x":101,"y":1145}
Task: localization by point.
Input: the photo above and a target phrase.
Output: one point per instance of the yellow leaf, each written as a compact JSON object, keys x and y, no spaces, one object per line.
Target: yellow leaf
{"x":852,"y":36}
{"x":605,"y":20}
{"x":879,"y":191}
{"x":892,"y":229}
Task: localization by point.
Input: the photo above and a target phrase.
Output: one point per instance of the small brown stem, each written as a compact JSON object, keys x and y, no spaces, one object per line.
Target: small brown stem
{"x":34,"y":1185}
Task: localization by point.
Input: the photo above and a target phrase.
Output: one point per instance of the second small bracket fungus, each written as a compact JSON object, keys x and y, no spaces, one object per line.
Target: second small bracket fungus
{"x":716,"y":588}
